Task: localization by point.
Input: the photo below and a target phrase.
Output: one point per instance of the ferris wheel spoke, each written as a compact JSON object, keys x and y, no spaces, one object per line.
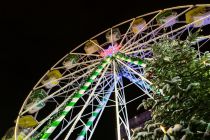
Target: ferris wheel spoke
{"x":76,"y":100}
{"x":116,"y":100}
{"x":139,"y":51}
{"x":121,"y":108}
{"x":86,"y":104}
{"x":125,"y":35}
{"x":79,"y":63}
{"x":175,"y":30}
{"x":95,"y":116}
{"x":206,"y":37}
{"x":179,"y":33}
{"x":72,"y":74}
{"x":136,"y":98}
{"x":90,"y":68}
{"x":132,"y":83}
{"x":137,"y":62}
{"x":150,"y":33}
{"x":64,"y":121}
{"x":125,"y":112}
{"x":112,"y":42}
{"x":128,"y":42}
{"x":65,"y":127}
{"x":96,"y":45}
{"x":54,"y":93}
{"x":143,"y":78}
{"x":64,"y":93}
{"x":132,"y":38}
{"x":110,"y":100}
{"x":84,"y":115}
{"x":159,"y":37}
{"x":139,"y":83}
{"x":85,"y":54}
{"x":70,"y":105}
{"x":47,"y":118}
{"x":160,"y":27}
{"x":200,"y":45}
{"x":101,"y":90}
{"x":80,"y":59}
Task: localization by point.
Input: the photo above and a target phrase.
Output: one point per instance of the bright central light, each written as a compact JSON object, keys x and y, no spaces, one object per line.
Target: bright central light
{"x":110,"y":51}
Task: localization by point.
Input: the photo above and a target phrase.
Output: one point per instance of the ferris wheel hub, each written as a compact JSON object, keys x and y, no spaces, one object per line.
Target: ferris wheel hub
{"x":112,"y":49}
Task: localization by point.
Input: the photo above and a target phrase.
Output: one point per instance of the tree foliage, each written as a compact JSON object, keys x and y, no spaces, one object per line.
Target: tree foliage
{"x":183,"y":77}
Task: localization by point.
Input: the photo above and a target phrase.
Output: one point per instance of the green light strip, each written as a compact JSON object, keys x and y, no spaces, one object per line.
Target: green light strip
{"x":74,"y":100}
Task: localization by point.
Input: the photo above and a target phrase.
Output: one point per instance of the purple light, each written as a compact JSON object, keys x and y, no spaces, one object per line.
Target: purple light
{"x":110,"y":51}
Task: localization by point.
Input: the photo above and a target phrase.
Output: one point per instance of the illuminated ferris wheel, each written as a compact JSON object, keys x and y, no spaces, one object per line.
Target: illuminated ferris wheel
{"x":69,"y":100}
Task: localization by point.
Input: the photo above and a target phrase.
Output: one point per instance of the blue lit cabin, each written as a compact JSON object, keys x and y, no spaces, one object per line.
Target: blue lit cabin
{"x":70,"y":60}
{"x":199,"y":15}
{"x":33,"y":102}
{"x":51,"y":79}
{"x":139,"y":25}
{"x":113,"y":36}
{"x":168,"y":18}
{"x":91,"y":47}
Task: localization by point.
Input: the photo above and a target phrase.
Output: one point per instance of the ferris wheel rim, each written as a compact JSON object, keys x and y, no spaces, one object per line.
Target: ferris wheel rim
{"x":72,"y":52}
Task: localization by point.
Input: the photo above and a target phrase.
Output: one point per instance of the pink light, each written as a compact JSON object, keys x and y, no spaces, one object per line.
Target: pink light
{"x":110,"y":51}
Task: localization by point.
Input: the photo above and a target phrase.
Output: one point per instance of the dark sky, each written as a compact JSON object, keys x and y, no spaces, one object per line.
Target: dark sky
{"x":36,"y":34}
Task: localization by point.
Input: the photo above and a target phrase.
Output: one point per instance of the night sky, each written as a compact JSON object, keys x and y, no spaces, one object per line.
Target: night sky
{"x":36,"y":34}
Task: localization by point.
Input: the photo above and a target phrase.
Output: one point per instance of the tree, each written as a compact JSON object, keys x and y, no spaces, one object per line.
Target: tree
{"x":183,"y":78}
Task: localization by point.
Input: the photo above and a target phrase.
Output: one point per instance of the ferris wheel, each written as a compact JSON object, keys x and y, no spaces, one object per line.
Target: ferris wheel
{"x":69,"y":100}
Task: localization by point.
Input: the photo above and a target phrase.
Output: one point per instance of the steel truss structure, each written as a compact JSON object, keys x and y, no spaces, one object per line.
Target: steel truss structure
{"x":94,"y":83}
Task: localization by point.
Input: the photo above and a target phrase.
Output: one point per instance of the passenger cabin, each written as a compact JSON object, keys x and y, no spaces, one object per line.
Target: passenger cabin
{"x":9,"y":135}
{"x":91,"y":47}
{"x":33,"y":102}
{"x":168,"y":18}
{"x":113,"y":35}
{"x":70,"y":60}
{"x":199,"y":15}
{"x":27,"y":121}
{"x":51,"y":79}
{"x":139,"y":25}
